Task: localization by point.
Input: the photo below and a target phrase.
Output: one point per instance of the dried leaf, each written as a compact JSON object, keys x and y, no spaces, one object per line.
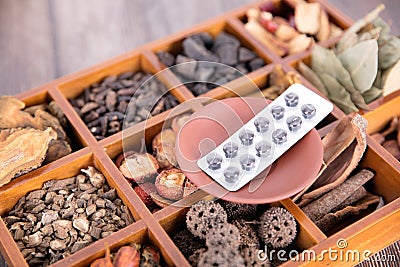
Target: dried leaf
{"x":325,"y":61}
{"x":312,"y":77}
{"x":338,"y":94}
{"x":369,"y":35}
{"x":361,"y":61}
{"x":23,"y":151}
{"x":346,"y":42}
{"x":357,"y":26}
{"x":307,"y":17}
{"x":389,"y":45}
{"x":372,"y":94}
{"x":392,"y":81}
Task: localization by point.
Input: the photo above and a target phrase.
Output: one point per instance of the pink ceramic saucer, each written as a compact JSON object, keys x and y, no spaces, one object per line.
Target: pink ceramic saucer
{"x":210,"y":126}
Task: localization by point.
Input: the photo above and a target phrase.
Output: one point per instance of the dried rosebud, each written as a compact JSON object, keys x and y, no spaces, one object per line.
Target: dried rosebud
{"x":225,"y":234}
{"x":170,"y":184}
{"x":150,"y":257}
{"x":204,"y":216}
{"x":166,"y":136}
{"x":144,"y":191}
{"x":278,"y":227}
{"x":140,"y":168}
{"x":165,"y":156}
{"x":178,"y":122}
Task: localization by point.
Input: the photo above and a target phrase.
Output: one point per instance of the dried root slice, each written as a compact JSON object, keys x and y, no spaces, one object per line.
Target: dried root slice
{"x":23,"y":151}
{"x":166,"y":136}
{"x":170,"y":184}
{"x":140,"y":168}
{"x":307,"y":18}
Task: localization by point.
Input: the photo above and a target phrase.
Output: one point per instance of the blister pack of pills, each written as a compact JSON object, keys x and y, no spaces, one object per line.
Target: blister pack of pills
{"x":263,"y":139}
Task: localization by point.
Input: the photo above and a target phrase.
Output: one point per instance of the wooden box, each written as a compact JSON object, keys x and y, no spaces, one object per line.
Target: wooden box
{"x":372,"y":232}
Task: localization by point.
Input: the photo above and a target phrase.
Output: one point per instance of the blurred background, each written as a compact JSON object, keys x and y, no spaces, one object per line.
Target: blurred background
{"x":41,"y":40}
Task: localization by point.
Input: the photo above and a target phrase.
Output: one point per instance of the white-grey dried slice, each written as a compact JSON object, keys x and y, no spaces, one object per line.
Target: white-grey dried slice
{"x":23,"y":151}
{"x":140,"y":168}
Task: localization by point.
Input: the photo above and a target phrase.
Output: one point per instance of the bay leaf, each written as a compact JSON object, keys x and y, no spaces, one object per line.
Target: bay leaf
{"x":358,"y":25}
{"x":312,"y":77}
{"x":347,"y":41}
{"x":378,"y":79}
{"x":372,"y":94}
{"x":361,"y":61}
{"x":389,"y":45}
{"x":325,"y":61}
{"x":392,"y":81}
{"x":337,"y":93}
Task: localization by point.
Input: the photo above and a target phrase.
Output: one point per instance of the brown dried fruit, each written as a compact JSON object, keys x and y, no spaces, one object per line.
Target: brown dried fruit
{"x":127,"y":256}
{"x":140,"y":168}
{"x":160,"y":201}
{"x":166,"y":136}
{"x":144,"y":191}
{"x":170,"y":184}
{"x":178,"y":122}
{"x":165,"y":156}
{"x":19,"y":155}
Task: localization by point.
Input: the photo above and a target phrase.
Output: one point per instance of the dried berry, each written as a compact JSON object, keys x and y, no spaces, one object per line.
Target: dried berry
{"x":223,"y":235}
{"x":278,"y":227}
{"x":144,"y":191}
{"x":248,"y":235}
{"x":170,"y":184}
{"x":220,"y":256}
{"x":187,"y":242}
{"x":238,"y":210}
{"x":204,"y":216}
{"x":252,"y":259}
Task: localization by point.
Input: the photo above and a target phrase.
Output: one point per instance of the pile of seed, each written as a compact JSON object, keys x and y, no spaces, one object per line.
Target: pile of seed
{"x":64,"y":216}
{"x":104,"y":105}
{"x":224,"y":48}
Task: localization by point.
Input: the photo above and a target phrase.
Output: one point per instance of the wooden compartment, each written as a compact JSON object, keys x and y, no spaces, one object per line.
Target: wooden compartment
{"x":71,"y":166}
{"x":372,"y":232}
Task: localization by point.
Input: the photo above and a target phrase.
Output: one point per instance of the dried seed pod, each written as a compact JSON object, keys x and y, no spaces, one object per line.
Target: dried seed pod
{"x":127,"y":256}
{"x":251,"y":258}
{"x":140,"y":168}
{"x":166,"y":136}
{"x":165,"y":156}
{"x":187,"y":242}
{"x":248,"y":235}
{"x":204,"y":216}
{"x":220,"y":256}
{"x":238,"y":210}
{"x":195,"y":257}
{"x":103,"y":262}
{"x":278,"y":227}
{"x":223,"y":235}
{"x":170,"y":184}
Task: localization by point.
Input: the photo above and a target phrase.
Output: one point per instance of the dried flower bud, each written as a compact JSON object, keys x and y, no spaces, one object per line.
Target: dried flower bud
{"x":238,"y":210}
{"x":170,"y":184}
{"x":166,"y":136}
{"x":140,"y":168}
{"x":278,"y":227}
{"x":204,"y":216}
{"x":223,"y":235}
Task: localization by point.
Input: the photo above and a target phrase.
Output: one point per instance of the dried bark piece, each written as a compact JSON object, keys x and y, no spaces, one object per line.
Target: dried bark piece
{"x":393,"y":148}
{"x":23,"y":151}
{"x":329,"y":201}
{"x":330,"y":219}
{"x":57,"y":149}
{"x":307,"y":18}
{"x":11,"y":114}
{"x":359,"y":125}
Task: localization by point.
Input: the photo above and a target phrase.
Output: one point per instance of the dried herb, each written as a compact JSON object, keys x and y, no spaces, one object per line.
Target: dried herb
{"x":312,"y":77}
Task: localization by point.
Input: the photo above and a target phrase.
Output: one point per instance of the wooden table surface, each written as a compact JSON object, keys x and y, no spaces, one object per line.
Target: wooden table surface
{"x":41,"y":40}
